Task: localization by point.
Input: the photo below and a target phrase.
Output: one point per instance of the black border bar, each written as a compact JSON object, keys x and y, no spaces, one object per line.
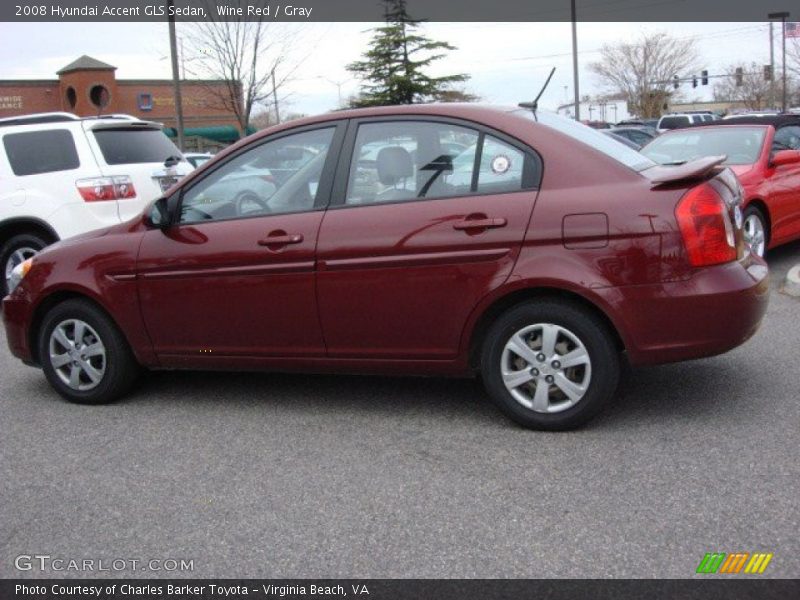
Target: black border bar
{"x":372,"y":10}
{"x":727,"y":588}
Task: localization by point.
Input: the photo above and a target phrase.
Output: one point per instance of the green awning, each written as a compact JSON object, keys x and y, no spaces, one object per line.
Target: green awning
{"x":227,"y":134}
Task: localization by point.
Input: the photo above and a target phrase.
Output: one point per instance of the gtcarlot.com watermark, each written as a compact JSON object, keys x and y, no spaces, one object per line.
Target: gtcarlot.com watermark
{"x":59,"y":564}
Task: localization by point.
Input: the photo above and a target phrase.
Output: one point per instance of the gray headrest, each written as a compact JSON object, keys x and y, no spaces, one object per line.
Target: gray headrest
{"x":394,"y":163}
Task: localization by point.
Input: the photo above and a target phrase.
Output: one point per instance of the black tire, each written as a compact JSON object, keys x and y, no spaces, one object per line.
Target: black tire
{"x":590,"y":330}
{"x":754,"y":211}
{"x":121,"y":368}
{"x":17,"y":242}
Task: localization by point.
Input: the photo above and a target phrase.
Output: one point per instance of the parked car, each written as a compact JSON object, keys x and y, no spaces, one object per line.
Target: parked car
{"x":706,"y":115}
{"x":61,"y":175}
{"x":597,"y":124}
{"x":621,"y":139}
{"x":197,"y":158}
{"x":677,"y":121}
{"x":575,"y":252}
{"x":638,"y":135}
{"x":650,"y":123}
{"x":766,"y":161}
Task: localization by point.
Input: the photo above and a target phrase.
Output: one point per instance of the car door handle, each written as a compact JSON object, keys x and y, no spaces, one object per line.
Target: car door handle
{"x":468,"y":224}
{"x":281,"y":240}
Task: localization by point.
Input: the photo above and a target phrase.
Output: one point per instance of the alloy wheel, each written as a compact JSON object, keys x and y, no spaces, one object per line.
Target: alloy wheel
{"x":546,"y":368}
{"x":755,"y":234}
{"x":77,"y":355}
{"x":18,"y":256}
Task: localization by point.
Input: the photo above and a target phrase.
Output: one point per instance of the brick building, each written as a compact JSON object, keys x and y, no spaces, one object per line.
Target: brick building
{"x":89,"y":87}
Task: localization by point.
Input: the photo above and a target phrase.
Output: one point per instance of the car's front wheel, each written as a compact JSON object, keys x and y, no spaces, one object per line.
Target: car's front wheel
{"x":550,"y":365}
{"x":83,"y":354}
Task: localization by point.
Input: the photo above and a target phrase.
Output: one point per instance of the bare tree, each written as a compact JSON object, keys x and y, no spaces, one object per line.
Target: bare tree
{"x":750,"y":87}
{"x":254,"y":57}
{"x":793,"y":56}
{"x":643,"y":71}
{"x":793,"y":67}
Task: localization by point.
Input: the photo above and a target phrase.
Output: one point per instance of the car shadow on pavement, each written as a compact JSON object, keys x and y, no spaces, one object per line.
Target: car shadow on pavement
{"x":318,"y":393}
{"x":696,"y":389}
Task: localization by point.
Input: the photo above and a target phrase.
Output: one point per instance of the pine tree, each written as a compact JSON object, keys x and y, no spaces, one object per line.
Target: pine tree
{"x":393,"y":67}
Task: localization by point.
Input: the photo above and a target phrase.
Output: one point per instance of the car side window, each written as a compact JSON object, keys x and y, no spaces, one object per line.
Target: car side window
{"x":786,"y":138}
{"x":501,"y":167}
{"x":278,"y":176}
{"x":408,"y":160}
{"x":37,"y":152}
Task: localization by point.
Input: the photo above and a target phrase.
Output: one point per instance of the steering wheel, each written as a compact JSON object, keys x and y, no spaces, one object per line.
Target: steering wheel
{"x":248,"y":202}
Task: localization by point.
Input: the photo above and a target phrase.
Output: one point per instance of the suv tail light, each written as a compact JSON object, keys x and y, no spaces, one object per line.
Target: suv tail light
{"x":706,"y":227}
{"x":98,"y":189}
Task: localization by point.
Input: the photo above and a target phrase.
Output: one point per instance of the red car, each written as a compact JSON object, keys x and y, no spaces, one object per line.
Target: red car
{"x":429,"y":240}
{"x":765,"y":154}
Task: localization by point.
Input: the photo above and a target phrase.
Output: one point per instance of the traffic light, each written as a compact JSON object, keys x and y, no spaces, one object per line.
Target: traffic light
{"x":704,"y":77}
{"x":694,"y":82}
{"x":767,"y":72}
{"x":675,"y":83}
{"x":739,"y":76}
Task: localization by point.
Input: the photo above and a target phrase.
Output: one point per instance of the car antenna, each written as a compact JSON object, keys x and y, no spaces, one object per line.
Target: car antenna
{"x":535,"y":104}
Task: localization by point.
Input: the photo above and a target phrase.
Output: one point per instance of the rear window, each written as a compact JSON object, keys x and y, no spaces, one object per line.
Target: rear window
{"x":673,"y":122}
{"x":591,"y":137}
{"x":128,"y":146}
{"x":37,"y":152}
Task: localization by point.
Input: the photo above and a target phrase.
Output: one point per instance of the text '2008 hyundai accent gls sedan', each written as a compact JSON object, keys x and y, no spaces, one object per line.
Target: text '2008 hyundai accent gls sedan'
{"x":428,"y":240}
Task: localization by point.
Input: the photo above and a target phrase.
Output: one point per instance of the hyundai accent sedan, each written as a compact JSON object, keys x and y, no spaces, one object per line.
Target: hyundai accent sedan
{"x":562,"y":254}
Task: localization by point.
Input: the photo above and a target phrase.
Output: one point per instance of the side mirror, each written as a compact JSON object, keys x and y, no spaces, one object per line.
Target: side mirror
{"x":785,"y":157}
{"x":159,"y":216}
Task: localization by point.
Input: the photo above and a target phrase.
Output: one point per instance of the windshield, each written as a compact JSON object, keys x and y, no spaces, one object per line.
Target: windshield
{"x":742,"y":145}
{"x":591,"y":137}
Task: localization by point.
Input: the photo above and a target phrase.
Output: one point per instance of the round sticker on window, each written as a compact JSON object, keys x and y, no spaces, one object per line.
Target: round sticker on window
{"x":501,"y":164}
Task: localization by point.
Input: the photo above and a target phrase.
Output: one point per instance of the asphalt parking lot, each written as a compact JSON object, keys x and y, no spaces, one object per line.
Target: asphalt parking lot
{"x":323,"y":476}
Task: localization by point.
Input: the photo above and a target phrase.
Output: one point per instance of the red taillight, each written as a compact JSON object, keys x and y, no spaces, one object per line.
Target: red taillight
{"x":706,"y":227}
{"x":98,"y":189}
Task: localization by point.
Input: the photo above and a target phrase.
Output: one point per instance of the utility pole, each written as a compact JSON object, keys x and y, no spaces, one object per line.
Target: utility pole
{"x":575,"y":64}
{"x":275,"y":98}
{"x":782,"y":16}
{"x":771,"y":68}
{"x":783,"y":59}
{"x":176,"y":83}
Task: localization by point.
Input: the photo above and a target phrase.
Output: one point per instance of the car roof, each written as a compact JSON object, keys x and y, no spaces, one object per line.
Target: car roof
{"x":774,"y":120}
{"x":65,"y":119}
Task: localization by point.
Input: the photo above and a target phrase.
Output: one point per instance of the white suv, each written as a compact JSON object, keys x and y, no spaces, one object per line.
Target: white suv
{"x":678,"y":120}
{"x":62,"y":175}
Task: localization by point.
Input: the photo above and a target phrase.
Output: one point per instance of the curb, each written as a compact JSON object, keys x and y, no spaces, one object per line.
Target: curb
{"x":791,"y":285}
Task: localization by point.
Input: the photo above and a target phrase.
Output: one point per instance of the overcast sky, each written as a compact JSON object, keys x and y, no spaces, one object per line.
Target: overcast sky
{"x":507,"y":62}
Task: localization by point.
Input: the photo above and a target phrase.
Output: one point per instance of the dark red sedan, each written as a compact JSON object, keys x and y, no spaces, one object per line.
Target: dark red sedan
{"x":429,"y":240}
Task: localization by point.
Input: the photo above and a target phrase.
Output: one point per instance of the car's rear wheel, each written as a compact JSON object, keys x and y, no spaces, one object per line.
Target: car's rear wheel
{"x":755,"y":230}
{"x":17,"y":249}
{"x":84,"y":356}
{"x":550,"y":365}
